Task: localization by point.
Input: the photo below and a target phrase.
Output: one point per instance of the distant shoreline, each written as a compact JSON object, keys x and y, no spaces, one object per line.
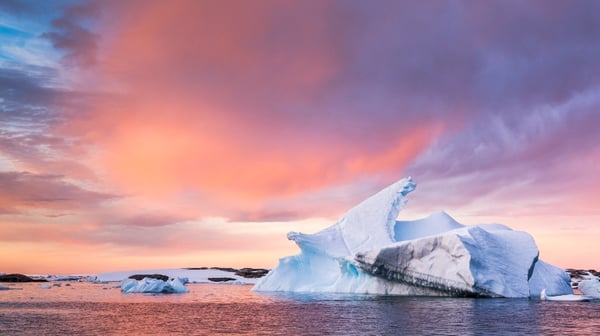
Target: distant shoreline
{"x":214,"y":274}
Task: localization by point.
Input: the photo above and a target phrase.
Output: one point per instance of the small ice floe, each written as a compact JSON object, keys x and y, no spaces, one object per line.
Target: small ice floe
{"x":590,"y":287}
{"x":10,"y":288}
{"x":45,"y":287}
{"x":64,"y":277}
{"x":151,"y":285}
{"x":564,"y":298}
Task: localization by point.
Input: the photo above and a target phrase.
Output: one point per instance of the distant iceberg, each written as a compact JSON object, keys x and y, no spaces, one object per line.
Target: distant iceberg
{"x":590,"y":287}
{"x":369,"y":252}
{"x":151,"y":285}
{"x":565,"y":298}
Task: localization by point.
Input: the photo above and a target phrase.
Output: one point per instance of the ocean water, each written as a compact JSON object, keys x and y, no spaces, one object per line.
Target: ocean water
{"x":96,"y":309}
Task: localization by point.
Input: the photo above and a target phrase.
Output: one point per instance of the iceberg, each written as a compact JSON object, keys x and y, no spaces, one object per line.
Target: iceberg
{"x":151,"y":285}
{"x":369,"y":251}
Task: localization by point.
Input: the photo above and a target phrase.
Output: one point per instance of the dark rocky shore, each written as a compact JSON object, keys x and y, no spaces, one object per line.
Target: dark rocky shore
{"x":248,"y":273}
{"x":19,"y":278}
{"x":151,"y":276}
{"x":577,"y":275}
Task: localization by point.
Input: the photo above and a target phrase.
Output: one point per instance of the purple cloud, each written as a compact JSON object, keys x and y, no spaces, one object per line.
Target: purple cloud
{"x":23,"y":191}
{"x":72,"y":35}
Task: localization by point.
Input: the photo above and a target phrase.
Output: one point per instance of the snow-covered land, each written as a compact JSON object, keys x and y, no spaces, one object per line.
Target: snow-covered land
{"x":149,"y":285}
{"x":193,"y":275}
{"x":369,"y":251}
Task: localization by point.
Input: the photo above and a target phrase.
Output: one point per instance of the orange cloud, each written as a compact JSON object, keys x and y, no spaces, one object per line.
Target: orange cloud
{"x":228,"y":102}
{"x":164,"y":158}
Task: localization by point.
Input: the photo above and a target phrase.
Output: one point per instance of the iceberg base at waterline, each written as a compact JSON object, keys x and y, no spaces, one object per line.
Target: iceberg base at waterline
{"x":368,"y":251}
{"x":151,"y":285}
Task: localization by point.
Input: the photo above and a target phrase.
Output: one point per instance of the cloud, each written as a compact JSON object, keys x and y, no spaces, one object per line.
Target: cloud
{"x":242,"y":116}
{"x":152,"y":220}
{"x":72,"y":35}
{"x":538,"y":162}
{"x":274,"y":110}
{"x":26,"y":88}
{"x":23,"y":191}
{"x":284,"y":105}
{"x":30,"y":106}
{"x":16,"y":6}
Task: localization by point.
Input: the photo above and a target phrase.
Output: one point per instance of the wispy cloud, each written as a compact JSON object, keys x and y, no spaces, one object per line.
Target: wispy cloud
{"x":71,"y":34}
{"x":22,"y":191}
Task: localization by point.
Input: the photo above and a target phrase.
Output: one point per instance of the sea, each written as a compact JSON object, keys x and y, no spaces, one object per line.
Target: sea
{"x":80,"y":308}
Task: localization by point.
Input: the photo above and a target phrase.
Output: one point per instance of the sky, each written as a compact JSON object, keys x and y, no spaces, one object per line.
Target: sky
{"x":145,"y":134}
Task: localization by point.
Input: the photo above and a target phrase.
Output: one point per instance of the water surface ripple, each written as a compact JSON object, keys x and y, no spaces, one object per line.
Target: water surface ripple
{"x":92,"y":309}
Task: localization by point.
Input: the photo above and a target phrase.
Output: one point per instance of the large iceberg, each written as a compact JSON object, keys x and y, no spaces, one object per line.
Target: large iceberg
{"x":368,"y":251}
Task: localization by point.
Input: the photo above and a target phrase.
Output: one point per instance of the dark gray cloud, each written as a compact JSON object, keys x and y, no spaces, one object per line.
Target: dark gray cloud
{"x":17,"y":6}
{"x":23,"y":191}
{"x":545,"y":156}
{"x":31,"y":108}
{"x":28,"y":88}
{"x":73,"y":35}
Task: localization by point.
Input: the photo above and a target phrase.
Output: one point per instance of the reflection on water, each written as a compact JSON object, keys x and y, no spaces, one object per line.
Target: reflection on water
{"x":89,"y":309}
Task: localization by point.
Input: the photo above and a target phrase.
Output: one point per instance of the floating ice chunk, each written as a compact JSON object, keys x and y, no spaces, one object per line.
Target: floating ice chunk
{"x":590,"y":287}
{"x":149,"y":285}
{"x":64,"y":277}
{"x":564,"y":298}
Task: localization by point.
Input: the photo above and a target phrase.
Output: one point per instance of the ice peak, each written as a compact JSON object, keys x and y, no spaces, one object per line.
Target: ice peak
{"x":441,"y":216}
{"x":372,"y":222}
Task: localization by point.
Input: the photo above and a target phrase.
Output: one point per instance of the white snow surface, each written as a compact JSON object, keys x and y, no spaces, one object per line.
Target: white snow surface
{"x":194,"y":275}
{"x":369,"y":252}
{"x":149,"y":285}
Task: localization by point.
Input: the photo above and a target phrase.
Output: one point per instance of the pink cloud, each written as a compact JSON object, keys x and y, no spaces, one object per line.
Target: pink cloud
{"x":276,"y":110}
